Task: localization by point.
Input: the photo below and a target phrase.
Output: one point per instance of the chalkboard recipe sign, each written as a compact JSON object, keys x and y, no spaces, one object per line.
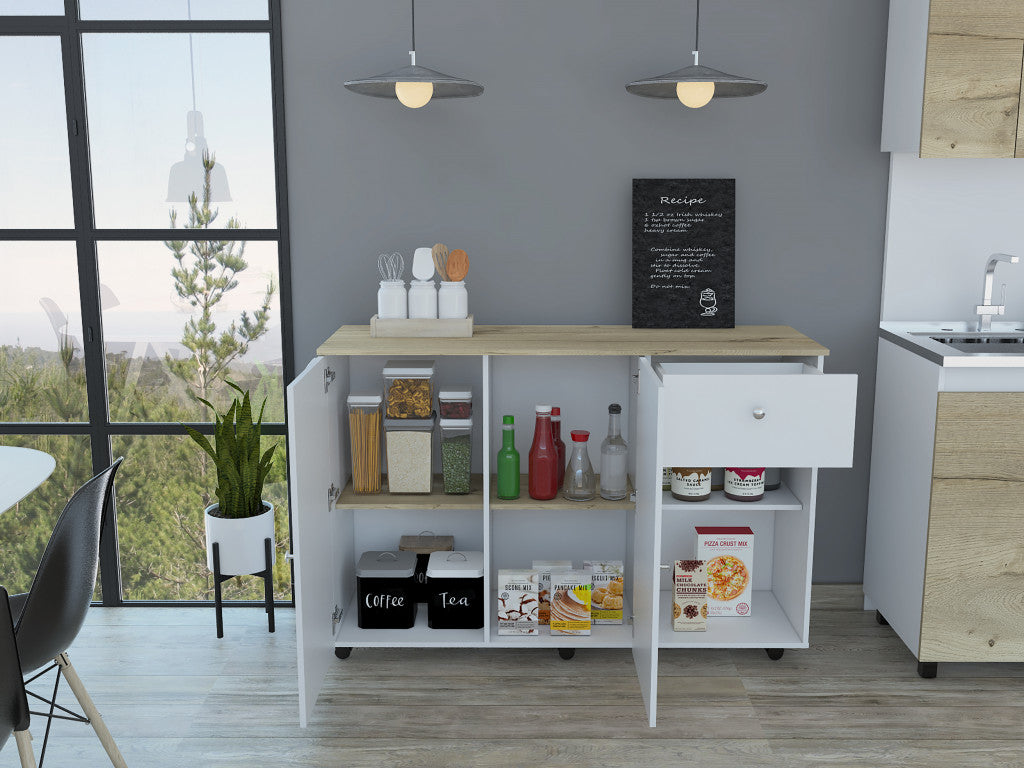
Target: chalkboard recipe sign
{"x":684,"y":253}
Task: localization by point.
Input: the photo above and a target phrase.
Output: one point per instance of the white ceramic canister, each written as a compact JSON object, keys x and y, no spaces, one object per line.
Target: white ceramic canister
{"x":391,"y":300}
{"x":422,"y":300}
{"x":452,"y":300}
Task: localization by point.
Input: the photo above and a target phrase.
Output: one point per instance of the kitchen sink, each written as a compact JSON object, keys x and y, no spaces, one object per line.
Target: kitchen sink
{"x":980,"y":343}
{"x":958,"y":344}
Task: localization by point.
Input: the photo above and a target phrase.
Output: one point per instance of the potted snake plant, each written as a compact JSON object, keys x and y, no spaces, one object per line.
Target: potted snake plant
{"x":241,"y":519}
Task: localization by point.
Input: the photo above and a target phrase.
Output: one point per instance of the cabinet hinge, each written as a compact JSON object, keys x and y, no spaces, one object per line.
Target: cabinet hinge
{"x":332,"y":494}
{"x":329,"y":377}
{"x":335,"y":618}
{"x":74,"y":127}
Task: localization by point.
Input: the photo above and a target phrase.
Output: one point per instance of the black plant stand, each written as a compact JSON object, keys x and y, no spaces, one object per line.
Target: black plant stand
{"x":268,"y":584}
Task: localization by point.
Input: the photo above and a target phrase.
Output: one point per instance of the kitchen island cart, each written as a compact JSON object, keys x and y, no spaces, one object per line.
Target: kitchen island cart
{"x":748,"y":396}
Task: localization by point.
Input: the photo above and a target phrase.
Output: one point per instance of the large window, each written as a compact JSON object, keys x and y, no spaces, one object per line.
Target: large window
{"x":144,"y":251}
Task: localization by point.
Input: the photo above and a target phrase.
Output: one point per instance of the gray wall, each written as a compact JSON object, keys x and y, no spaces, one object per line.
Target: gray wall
{"x":533,"y":178}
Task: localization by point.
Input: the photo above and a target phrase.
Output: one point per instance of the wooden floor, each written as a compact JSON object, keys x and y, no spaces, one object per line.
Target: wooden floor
{"x":174,"y":695}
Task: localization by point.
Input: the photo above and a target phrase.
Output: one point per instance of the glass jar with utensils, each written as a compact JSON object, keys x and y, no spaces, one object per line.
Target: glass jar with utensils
{"x":392,"y":300}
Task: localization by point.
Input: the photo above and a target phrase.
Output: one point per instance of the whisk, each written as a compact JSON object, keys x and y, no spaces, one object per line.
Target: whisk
{"x":391,"y":266}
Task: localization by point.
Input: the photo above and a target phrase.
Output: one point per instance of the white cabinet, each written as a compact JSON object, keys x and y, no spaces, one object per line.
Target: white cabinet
{"x":689,"y":397}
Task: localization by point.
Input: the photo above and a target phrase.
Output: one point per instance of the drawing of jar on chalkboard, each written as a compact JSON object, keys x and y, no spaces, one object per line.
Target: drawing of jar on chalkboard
{"x":709,"y":302}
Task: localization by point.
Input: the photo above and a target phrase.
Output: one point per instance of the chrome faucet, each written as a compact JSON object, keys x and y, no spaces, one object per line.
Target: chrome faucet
{"x":986,"y":309}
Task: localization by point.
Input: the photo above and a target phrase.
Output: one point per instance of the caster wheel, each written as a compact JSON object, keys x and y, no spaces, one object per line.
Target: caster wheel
{"x":927,"y":669}
{"x":880,"y":619}
{"x":566,"y":653}
{"x":775,"y":653}
{"x":342,"y":653}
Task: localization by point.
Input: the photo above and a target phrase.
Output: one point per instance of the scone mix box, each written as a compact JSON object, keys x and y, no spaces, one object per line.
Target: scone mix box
{"x":728,"y":555}
{"x":689,"y":596}
{"x":570,"y":603}
{"x":518,"y":609}
{"x":544,"y":568}
{"x":607,"y":596}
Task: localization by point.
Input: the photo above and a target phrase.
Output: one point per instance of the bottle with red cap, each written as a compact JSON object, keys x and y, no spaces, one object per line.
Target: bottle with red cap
{"x":556,"y":432}
{"x":580,"y":482}
{"x":543,"y":462}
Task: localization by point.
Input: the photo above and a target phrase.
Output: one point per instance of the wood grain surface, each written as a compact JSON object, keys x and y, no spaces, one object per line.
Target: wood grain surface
{"x":974,"y":569}
{"x":173,"y":695}
{"x":971,"y":96}
{"x":584,"y":340}
{"x":987,"y":18}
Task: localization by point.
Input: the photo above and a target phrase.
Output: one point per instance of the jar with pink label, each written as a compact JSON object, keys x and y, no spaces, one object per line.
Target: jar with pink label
{"x":744,"y":483}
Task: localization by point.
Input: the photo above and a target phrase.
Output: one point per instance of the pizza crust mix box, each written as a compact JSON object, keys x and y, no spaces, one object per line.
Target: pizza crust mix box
{"x":518,"y":609}
{"x":690,"y":596}
{"x":608,"y":595}
{"x":728,"y":555}
{"x":544,"y":570}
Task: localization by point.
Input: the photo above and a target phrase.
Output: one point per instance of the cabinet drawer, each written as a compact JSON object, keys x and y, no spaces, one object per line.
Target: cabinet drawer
{"x":756,"y":414}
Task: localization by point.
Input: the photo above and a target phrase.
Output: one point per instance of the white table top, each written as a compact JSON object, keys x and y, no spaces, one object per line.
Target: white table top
{"x":22,"y":470}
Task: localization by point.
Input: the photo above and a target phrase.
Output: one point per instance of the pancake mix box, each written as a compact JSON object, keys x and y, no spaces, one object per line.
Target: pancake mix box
{"x":608,"y":591}
{"x":544,"y":569}
{"x":728,"y":555}
{"x":570,"y":603}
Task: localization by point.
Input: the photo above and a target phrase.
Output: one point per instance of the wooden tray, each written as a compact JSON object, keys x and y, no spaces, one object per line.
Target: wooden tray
{"x":421,"y":329}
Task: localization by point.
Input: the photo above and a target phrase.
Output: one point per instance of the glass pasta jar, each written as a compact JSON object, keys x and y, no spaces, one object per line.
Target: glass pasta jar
{"x":364,"y":423}
{"x":409,"y":389}
{"x":409,"y":443}
{"x":744,"y":483}
{"x":455,"y":402}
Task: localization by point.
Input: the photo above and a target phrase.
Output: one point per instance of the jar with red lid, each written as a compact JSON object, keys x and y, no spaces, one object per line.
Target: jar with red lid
{"x":744,"y":483}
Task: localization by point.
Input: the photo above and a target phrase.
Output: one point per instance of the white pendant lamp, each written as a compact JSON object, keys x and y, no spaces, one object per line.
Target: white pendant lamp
{"x":188,"y":175}
{"x":413,"y":85}
{"x":696,"y":85}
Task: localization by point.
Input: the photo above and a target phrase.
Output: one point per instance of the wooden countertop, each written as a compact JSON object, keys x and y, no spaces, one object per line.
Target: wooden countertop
{"x":583,"y":340}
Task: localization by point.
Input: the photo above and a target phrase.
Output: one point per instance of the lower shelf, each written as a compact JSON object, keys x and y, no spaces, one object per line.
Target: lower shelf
{"x":419,"y":636}
{"x":767,"y":626}
{"x":601,"y":636}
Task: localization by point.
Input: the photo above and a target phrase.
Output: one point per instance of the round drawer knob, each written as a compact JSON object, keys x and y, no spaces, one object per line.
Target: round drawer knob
{"x":759,"y":413}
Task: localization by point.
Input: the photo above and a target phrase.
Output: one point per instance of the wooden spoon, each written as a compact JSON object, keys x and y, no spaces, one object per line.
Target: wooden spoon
{"x":440,"y":254}
{"x":457,"y":265}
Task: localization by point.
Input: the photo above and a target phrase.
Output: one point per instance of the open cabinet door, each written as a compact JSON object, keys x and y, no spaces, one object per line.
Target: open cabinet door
{"x":314,"y":460}
{"x":647,"y":539}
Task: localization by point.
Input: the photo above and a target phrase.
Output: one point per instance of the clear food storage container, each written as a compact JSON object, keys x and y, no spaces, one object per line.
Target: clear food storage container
{"x":456,"y":454}
{"x":423,"y":544}
{"x":384,"y":581}
{"x":364,"y":422}
{"x":455,"y":402}
{"x":409,"y":389}
{"x":456,"y":584}
{"x":409,"y":445}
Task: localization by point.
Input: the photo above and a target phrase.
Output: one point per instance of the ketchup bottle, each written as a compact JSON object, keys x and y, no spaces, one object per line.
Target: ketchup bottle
{"x":556,"y":432}
{"x":544,"y":462}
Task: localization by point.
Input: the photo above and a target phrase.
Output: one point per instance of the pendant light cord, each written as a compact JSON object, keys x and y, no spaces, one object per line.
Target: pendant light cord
{"x":412,"y":53}
{"x":191,"y":59}
{"x":696,"y":38}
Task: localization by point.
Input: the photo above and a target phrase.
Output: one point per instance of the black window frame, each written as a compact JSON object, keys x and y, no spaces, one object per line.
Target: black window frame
{"x":70,"y":28}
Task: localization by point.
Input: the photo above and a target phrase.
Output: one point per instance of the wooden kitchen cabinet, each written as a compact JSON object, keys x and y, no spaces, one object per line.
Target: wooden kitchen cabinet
{"x":953,"y":79}
{"x":944,"y":556}
{"x":749,"y":396}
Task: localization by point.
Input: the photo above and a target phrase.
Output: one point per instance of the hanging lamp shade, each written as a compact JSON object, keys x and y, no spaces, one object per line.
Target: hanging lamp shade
{"x":188,"y":175}
{"x":696,"y":84}
{"x":726,"y":86}
{"x":445,"y":86}
{"x":413,"y":85}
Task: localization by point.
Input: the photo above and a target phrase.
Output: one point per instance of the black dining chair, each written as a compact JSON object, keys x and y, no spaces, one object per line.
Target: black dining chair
{"x":49,"y":616}
{"x":14,"y":714}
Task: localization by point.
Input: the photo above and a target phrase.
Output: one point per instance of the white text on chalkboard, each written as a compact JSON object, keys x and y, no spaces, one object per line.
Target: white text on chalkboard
{"x":682,"y":200}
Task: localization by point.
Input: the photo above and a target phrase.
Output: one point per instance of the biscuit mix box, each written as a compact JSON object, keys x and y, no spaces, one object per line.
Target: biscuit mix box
{"x":728,"y":555}
{"x":608,"y":595}
{"x":689,"y":596}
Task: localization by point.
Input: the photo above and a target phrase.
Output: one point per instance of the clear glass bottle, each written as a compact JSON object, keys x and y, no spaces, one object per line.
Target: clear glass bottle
{"x":613,"y":458}
{"x":580,"y":482}
{"x":508,"y":461}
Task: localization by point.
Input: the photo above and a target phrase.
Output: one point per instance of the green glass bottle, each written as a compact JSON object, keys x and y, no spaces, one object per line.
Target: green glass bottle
{"x":508,"y":461}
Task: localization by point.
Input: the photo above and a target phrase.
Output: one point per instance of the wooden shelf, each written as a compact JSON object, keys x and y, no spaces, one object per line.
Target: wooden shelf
{"x":559,"y":502}
{"x":601,"y":635}
{"x":584,"y":340}
{"x":419,"y":636}
{"x":767,"y":626}
{"x":437,"y":499}
{"x":779,"y":499}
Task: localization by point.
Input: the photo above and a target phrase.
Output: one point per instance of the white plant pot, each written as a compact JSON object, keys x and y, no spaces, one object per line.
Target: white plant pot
{"x":241,"y":541}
